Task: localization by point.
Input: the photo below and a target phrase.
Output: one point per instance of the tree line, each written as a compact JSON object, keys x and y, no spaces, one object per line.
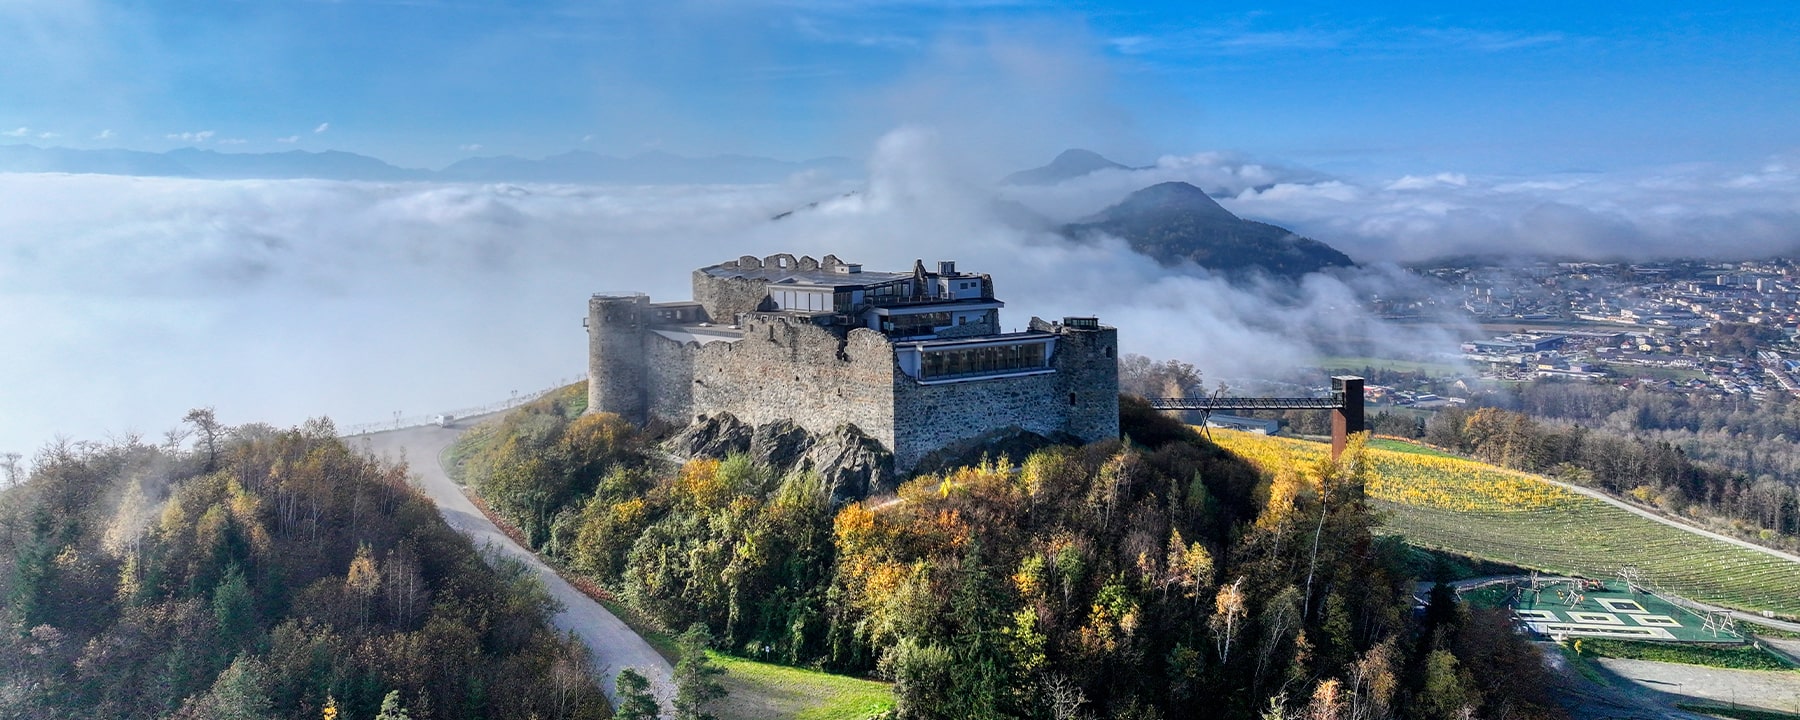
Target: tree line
{"x":1156,"y":577}
{"x":262,"y":574}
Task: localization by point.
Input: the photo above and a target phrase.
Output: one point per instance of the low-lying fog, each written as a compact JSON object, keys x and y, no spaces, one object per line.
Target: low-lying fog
{"x":126,"y":301}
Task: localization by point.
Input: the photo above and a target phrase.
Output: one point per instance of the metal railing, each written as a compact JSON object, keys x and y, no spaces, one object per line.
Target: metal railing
{"x":1246,"y":403}
{"x":405,"y":421}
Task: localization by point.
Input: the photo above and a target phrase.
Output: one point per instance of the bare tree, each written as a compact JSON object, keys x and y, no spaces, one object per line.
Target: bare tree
{"x":9,"y":469}
{"x":211,"y":433}
{"x":1065,"y":698}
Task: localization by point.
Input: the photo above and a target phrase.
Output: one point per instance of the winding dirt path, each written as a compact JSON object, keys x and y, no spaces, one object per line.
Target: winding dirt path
{"x":615,"y":646}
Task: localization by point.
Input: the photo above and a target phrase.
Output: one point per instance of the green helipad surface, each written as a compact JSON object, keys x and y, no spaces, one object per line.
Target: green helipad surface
{"x":1595,"y":609}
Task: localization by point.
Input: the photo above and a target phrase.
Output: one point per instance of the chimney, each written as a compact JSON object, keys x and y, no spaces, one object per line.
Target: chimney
{"x":946,"y":267}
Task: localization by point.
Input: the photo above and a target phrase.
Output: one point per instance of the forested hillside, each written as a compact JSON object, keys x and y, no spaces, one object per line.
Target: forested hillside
{"x":1156,"y":578}
{"x":264,"y":574}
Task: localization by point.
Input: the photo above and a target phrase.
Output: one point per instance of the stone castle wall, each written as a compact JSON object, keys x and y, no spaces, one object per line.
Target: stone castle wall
{"x":787,"y":368}
{"x":1080,"y":398}
{"x":783,"y":369}
{"x":616,"y":362}
{"x":727,"y":297}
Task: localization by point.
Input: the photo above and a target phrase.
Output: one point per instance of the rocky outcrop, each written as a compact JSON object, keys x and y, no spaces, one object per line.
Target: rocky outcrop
{"x":848,"y":463}
{"x":714,"y":436}
{"x":853,"y":465}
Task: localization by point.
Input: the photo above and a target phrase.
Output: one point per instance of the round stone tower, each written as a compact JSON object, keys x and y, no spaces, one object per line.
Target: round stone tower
{"x":615,"y":326}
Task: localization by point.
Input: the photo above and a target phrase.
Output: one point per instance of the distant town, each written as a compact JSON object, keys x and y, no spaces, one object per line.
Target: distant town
{"x":1717,"y":328}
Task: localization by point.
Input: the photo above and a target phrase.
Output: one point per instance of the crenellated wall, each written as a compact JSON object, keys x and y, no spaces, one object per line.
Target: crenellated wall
{"x":783,"y":368}
{"x":787,"y":367}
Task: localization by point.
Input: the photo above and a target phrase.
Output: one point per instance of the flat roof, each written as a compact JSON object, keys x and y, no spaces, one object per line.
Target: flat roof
{"x":703,"y":334}
{"x":939,"y":343}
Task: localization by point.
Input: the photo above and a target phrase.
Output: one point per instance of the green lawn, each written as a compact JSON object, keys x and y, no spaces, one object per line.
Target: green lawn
{"x":763,"y":690}
{"x":1739,"y":657}
{"x":1735,"y":713}
{"x":1655,"y":373}
{"x":1358,"y":364}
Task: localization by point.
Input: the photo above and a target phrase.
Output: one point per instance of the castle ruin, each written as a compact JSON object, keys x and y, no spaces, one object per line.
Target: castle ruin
{"x":915,"y":360}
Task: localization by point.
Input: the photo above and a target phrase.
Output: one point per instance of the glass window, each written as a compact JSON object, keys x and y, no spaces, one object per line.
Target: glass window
{"x":981,"y":360}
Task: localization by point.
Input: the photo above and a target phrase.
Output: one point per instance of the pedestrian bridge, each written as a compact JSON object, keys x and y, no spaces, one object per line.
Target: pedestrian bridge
{"x":1345,"y":404}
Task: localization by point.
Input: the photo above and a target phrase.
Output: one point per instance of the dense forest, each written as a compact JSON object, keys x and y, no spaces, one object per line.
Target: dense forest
{"x":1157,"y":577}
{"x":262,"y":574}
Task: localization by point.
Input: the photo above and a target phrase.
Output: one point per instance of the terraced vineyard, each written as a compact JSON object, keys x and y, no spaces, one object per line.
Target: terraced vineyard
{"x":1480,"y":510}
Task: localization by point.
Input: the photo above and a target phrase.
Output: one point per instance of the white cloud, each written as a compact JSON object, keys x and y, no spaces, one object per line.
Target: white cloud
{"x":368,"y":298}
{"x":291,"y":139}
{"x":362,"y":295}
{"x":1681,"y":211}
{"x":587,"y":138}
{"x":1413,"y":182}
{"x":104,"y":135}
{"x":321,"y":128}
{"x":233,"y":141}
{"x":194,"y":137}
{"x":19,"y":132}
{"x":471,"y":147}
{"x":47,"y":135}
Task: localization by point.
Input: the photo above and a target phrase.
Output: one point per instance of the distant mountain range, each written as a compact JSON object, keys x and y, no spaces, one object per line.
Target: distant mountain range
{"x":1071,"y":164}
{"x":1175,"y":221}
{"x":652,"y":168}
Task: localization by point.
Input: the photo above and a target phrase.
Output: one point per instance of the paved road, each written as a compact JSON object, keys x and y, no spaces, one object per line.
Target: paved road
{"x":613,"y":643}
{"x":1775,"y":690}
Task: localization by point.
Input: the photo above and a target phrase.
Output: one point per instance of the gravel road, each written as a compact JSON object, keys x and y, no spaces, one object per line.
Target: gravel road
{"x":614,"y":644}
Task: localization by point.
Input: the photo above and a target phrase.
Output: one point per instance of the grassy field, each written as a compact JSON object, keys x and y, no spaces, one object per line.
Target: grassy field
{"x":1402,"y":446}
{"x":761,"y":690}
{"x":1654,"y":373}
{"x":1735,"y":713}
{"x":1740,"y":657}
{"x":1482,"y":511}
{"x":1358,"y":364}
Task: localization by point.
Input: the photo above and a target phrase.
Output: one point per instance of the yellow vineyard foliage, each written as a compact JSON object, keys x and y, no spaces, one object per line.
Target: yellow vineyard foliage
{"x":1409,"y":478}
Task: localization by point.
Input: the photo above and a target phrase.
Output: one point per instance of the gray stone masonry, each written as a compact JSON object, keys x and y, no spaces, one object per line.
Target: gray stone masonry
{"x":821,"y":377}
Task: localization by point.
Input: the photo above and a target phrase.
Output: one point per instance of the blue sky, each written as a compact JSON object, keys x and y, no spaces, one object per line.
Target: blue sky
{"x":1377,"y":88}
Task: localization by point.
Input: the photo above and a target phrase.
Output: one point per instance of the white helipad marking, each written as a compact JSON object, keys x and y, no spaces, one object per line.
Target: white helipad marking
{"x":1621,"y":606}
{"x":1604,"y":631}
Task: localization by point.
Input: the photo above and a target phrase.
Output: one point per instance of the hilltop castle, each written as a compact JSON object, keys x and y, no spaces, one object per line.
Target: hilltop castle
{"x":915,"y":360}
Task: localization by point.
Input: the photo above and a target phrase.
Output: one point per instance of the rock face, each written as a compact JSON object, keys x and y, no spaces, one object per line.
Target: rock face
{"x":848,"y":463}
{"x":714,"y":436}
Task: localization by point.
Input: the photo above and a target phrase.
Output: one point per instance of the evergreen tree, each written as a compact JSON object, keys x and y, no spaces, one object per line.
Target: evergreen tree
{"x":391,"y":709}
{"x":696,"y":678}
{"x":636,"y":702}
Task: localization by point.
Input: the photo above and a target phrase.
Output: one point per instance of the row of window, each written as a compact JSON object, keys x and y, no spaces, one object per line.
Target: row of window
{"x":911,"y":325}
{"x":982,"y":360}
